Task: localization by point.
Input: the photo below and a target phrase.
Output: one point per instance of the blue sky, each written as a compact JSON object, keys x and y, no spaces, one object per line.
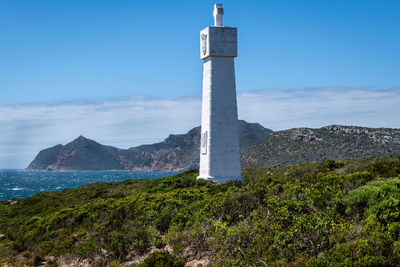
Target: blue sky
{"x":126,"y":73}
{"x":67,"y":50}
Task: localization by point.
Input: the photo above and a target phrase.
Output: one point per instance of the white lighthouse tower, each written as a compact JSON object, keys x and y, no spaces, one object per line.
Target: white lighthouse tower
{"x":219,"y":149}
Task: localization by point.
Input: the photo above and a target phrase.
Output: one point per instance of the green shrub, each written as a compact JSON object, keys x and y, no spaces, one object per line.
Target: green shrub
{"x":162,"y":258}
{"x":159,"y":243}
{"x":322,"y":213}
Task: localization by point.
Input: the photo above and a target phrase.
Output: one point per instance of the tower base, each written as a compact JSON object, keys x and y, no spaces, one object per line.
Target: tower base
{"x":220,"y":179}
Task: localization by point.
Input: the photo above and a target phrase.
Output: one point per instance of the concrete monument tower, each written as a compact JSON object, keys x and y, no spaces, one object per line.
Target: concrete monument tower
{"x":219,"y":148}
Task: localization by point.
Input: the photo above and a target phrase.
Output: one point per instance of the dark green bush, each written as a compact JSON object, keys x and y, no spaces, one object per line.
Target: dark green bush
{"x":162,"y":258}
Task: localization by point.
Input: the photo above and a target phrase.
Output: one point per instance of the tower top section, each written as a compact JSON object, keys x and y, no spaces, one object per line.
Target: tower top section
{"x":218,"y":13}
{"x":218,"y":40}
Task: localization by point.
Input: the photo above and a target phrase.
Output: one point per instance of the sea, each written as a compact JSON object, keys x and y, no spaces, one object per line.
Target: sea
{"x":22,"y":183}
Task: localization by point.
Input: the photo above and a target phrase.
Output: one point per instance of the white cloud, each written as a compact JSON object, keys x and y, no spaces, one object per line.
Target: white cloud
{"x":28,"y":128}
{"x":316,"y":107}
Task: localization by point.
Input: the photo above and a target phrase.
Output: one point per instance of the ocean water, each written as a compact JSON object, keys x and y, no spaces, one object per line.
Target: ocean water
{"x":21,"y":183}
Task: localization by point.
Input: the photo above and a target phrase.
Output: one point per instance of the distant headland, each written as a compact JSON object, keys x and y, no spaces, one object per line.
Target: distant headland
{"x":261,"y":147}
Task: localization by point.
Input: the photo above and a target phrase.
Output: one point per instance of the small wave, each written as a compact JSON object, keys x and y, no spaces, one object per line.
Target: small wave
{"x":17,"y":188}
{"x":58,"y":187}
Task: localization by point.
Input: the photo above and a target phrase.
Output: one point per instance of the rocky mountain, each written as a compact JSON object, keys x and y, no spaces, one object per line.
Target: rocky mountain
{"x":175,"y":153}
{"x":309,"y":145}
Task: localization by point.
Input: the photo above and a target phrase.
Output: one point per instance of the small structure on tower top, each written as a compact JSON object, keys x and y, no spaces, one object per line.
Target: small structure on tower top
{"x":218,"y":13}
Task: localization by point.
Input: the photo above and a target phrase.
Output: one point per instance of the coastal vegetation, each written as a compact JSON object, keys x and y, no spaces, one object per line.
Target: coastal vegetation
{"x":344,"y":212}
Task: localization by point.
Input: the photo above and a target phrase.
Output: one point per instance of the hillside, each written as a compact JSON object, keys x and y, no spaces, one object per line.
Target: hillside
{"x":313,"y":214}
{"x":175,"y":153}
{"x":330,"y":142}
{"x":259,"y":148}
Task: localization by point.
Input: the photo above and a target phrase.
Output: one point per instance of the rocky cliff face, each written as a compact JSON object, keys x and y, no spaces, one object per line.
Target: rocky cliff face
{"x":175,"y":153}
{"x":334,"y":142}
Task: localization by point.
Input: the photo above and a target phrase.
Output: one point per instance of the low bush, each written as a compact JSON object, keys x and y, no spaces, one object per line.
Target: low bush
{"x":328,"y":213}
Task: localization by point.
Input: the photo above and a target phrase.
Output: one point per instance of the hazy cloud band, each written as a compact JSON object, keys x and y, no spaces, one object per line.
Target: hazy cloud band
{"x":27,"y":128}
